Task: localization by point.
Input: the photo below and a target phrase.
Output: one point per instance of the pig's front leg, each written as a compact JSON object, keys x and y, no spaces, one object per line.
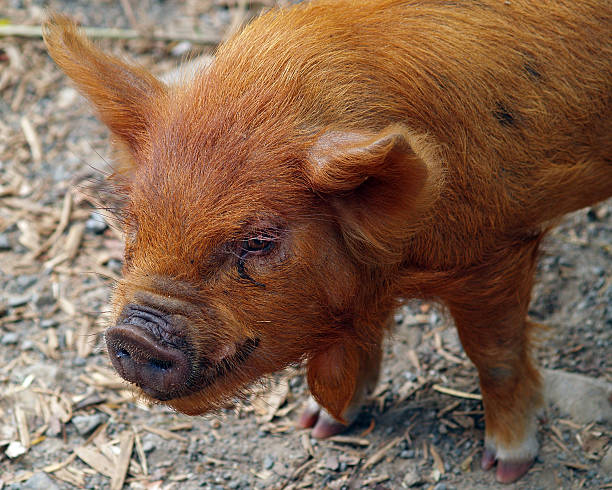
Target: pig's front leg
{"x":340,"y":378}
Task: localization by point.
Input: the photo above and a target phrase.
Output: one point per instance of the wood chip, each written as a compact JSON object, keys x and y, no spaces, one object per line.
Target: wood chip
{"x":73,"y":240}
{"x":414,"y":359}
{"x":576,"y":466}
{"x":72,"y":476}
{"x":374,"y":480}
{"x":448,"y":408}
{"x":166,"y":434}
{"x":369,"y":429}
{"x":570,"y":423}
{"x":405,"y":391}
{"x":32,"y":139}
{"x":29,"y":237}
{"x":307,"y":445}
{"x":58,"y":466}
{"x":457,"y":393}
{"x":267,"y":406}
{"x":61,"y":227}
{"x":381,"y":453}
{"x":355,"y":441}
{"x":22,"y":427}
{"x":466,"y":464}
{"x":438,"y":462}
{"x":181,"y":426}
{"x":84,"y":342}
{"x":298,"y":473}
{"x":123,"y":461}
{"x":97,"y":460}
{"x":558,"y":438}
{"x":52,"y":346}
{"x":114,"y":33}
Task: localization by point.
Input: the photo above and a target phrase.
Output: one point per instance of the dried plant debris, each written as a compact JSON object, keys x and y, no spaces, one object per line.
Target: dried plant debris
{"x":68,"y":421}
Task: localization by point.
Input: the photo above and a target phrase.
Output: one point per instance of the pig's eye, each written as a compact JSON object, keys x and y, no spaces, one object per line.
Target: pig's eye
{"x":258,"y":245}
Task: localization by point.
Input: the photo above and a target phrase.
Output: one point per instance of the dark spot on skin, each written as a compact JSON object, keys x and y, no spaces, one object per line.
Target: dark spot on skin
{"x":499,"y":373}
{"x":503,"y":115}
{"x":532,"y":72}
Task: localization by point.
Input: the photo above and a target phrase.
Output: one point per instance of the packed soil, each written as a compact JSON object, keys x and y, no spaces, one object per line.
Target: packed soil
{"x":67,"y":421}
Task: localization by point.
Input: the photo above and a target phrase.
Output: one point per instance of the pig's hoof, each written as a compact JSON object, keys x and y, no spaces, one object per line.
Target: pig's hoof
{"x":508,"y":470}
{"x":322,"y":423}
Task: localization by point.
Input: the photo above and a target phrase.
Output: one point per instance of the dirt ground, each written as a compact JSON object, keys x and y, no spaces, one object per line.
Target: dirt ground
{"x":67,"y":421}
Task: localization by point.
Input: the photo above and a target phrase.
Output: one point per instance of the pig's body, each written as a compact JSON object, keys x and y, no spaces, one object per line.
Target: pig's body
{"x":336,"y":157}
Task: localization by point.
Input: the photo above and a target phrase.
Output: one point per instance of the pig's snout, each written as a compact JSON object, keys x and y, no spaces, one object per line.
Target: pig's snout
{"x":149,"y":351}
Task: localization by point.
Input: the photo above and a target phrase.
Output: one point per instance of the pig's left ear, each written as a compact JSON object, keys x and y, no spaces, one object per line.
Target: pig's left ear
{"x":125,"y":97}
{"x":379,"y":184}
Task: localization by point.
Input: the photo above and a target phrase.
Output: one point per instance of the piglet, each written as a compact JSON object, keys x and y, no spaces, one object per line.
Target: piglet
{"x":336,"y":158}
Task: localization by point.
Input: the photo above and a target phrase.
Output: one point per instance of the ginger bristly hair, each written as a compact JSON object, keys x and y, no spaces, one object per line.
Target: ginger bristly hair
{"x":399,"y":158}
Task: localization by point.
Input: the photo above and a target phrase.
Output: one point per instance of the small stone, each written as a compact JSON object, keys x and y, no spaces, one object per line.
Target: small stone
{"x":5,"y":244}
{"x":411,"y":478}
{"x":86,"y":424}
{"x":10,"y":338}
{"x":79,"y":362}
{"x":181,"y":48}
{"x":268,"y":462}
{"x":27,"y":345}
{"x":41,"y":300}
{"x":440,"y":486}
{"x":149,"y":442}
{"x":20,"y":300}
{"x":407,"y":454}
{"x":66,"y":97}
{"x":40,"y":480}
{"x":96,"y":224}
{"x":586,"y":399}
{"x":15,"y":449}
{"x":332,"y":463}
{"x":443,"y":429}
{"x":25,"y":281}
{"x":48,"y":323}
{"x":115,"y":265}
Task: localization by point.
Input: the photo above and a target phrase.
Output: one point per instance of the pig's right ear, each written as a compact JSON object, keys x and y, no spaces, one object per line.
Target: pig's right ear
{"x":379,"y":184}
{"x":125,"y":96}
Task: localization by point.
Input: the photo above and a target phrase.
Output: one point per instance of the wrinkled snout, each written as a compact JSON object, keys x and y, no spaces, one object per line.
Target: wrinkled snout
{"x":148,"y":350}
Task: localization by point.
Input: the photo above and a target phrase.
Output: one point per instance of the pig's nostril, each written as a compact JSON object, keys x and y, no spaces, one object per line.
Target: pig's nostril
{"x":161,"y":365}
{"x":123,"y":354}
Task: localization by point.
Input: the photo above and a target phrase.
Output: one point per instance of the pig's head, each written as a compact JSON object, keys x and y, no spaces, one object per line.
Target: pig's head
{"x":254,"y":237}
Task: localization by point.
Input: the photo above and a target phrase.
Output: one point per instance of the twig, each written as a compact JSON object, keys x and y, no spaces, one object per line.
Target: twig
{"x":112,"y":33}
{"x":127,"y":8}
{"x":460,"y":394}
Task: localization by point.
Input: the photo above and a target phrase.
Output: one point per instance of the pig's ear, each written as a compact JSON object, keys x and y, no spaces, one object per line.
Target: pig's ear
{"x":379,"y":184}
{"x":332,"y":378}
{"x":123,"y":95}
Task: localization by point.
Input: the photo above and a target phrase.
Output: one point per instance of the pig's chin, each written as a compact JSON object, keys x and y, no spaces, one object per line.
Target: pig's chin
{"x":211,"y":386}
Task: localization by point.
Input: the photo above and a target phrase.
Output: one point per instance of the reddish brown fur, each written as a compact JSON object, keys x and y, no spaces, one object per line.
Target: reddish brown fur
{"x":394,"y":149}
